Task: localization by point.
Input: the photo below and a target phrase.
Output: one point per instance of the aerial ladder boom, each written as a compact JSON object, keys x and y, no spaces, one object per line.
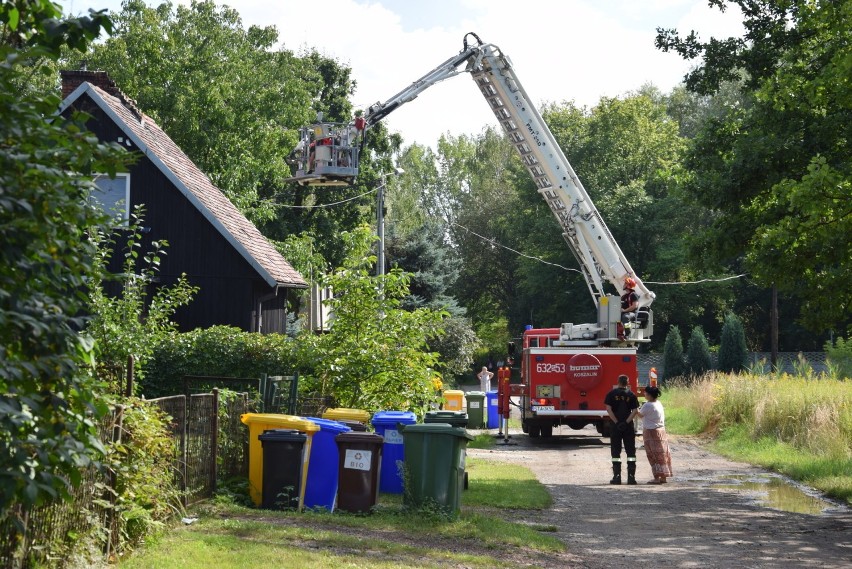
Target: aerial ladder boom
{"x":597,"y":253}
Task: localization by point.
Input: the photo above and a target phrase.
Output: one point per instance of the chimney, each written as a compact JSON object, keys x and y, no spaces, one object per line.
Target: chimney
{"x":73,"y":79}
{"x":101,"y":79}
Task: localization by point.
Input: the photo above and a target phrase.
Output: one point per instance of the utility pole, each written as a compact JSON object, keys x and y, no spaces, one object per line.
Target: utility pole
{"x":773,"y":319}
{"x":380,"y":219}
{"x":380,"y":225}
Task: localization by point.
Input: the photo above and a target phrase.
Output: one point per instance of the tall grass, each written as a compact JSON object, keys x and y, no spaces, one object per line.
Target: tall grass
{"x":762,"y":418}
{"x":810,"y":412}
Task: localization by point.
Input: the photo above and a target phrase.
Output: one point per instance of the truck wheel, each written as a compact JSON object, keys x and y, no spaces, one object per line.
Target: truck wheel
{"x":547,"y":431}
{"x":535,"y":431}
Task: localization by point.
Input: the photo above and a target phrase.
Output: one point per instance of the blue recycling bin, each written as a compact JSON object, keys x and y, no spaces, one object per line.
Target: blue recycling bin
{"x":493,"y":409}
{"x":323,"y":472}
{"x":385,"y":422}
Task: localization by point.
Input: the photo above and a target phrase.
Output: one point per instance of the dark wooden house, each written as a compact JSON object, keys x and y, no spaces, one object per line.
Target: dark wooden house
{"x":244,"y":281}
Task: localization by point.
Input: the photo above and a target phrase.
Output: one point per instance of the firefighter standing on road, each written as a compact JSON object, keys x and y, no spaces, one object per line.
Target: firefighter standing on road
{"x":622,"y":406}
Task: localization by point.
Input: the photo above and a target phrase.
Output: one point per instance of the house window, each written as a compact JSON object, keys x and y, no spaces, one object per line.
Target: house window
{"x":113,"y":195}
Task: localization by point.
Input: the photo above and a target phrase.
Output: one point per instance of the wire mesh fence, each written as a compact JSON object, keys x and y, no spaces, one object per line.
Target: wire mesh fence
{"x":48,"y":535}
{"x":787,"y":362}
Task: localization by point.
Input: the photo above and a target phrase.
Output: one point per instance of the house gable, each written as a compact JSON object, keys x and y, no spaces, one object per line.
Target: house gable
{"x":143,"y":134}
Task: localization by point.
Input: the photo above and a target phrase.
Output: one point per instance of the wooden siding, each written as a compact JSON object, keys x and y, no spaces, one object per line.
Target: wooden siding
{"x":230,"y":289}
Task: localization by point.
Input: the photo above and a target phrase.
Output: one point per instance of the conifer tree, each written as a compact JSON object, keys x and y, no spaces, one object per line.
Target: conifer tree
{"x":673,"y":364}
{"x":698,"y":361}
{"x":733,"y":352}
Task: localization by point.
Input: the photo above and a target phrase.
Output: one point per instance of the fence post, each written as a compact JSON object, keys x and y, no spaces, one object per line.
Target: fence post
{"x":128,"y":391}
{"x":294,"y":390}
{"x":111,"y":515}
{"x":183,"y":450}
{"x":214,"y":441}
{"x":262,"y":390}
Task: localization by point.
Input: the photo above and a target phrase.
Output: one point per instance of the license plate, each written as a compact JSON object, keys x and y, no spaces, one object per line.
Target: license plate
{"x":543,"y":408}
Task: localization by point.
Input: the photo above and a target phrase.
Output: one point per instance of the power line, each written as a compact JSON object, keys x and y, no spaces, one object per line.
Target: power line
{"x":494,"y":243}
{"x":699,"y":281}
{"x":325,"y":204}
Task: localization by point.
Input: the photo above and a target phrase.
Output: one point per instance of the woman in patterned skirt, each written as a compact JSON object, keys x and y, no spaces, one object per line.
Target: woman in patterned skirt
{"x":654,"y":437}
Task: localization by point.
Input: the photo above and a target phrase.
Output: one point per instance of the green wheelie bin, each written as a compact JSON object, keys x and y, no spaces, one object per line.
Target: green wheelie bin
{"x":434,"y":465}
{"x":475,"y":409}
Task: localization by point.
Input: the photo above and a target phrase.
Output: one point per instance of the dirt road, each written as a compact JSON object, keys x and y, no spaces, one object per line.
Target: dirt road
{"x":696,"y":520}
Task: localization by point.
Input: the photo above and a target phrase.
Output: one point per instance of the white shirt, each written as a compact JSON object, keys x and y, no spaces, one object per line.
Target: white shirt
{"x":653,"y":416}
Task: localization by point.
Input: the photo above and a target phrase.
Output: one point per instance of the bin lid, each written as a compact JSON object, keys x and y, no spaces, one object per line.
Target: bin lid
{"x":492,"y":392}
{"x":453,"y":392}
{"x":282,"y":435}
{"x":474,"y":394}
{"x":391,"y":418}
{"x":438,"y":429}
{"x":455,"y":415}
{"x":275,"y":420}
{"x":359,"y":437}
{"x":343,"y":413}
{"x":328,"y":425}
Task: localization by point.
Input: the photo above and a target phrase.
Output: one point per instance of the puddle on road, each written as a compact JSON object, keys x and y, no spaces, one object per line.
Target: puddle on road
{"x":774,"y":492}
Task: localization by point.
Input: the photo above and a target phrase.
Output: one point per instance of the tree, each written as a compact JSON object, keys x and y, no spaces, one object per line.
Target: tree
{"x":698,"y":360}
{"x":673,"y":363}
{"x":48,"y":396}
{"x":733,"y":352}
{"x":434,"y":269}
{"x":374,"y":355}
{"x":776,"y":170}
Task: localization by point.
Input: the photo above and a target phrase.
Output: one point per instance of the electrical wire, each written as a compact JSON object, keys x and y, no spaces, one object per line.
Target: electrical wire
{"x":494,"y":243}
{"x":326,"y":204}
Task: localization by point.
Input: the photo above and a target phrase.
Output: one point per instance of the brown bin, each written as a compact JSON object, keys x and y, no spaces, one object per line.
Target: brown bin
{"x":360,"y":464}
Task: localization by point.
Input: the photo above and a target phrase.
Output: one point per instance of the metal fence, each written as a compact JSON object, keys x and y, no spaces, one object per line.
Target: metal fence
{"x":787,"y":362}
{"x":47,"y":535}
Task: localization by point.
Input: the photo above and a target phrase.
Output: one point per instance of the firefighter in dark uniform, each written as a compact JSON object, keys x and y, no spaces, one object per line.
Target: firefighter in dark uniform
{"x":622,"y":406}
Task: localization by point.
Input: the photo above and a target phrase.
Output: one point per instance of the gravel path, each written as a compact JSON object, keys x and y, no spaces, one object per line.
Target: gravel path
{"x":693,"y":521}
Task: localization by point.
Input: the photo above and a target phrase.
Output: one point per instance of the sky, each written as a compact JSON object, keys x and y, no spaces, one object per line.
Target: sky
{"x":562,"y":50}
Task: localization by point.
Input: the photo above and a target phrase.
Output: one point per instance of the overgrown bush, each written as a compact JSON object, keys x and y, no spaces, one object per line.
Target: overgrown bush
{"x":146,"y":494}
{"x":733,"y":352}
{"x":218,"y":351}
{"x":698,"y":360}
{"x":48,"y":397}
{"x":673,"y":364}
{"x":375,"y":354}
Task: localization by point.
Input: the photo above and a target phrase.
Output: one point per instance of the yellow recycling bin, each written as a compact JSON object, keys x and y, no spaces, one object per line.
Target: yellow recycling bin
{"x":453,"y":399}
{"x":257,"y":424}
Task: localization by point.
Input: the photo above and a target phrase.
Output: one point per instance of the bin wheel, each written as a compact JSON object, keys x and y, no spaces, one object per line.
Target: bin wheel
{"x":465,"y":480}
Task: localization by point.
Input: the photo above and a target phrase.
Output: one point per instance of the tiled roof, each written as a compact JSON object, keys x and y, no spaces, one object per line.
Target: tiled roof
{"x":197,"y":187}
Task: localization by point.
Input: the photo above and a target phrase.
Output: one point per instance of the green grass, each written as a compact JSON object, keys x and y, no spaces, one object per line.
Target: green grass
{"x":230,"y":536}
{"x":482,"y":440}
{"x":682,"y":421}
{"x":502,"y":485}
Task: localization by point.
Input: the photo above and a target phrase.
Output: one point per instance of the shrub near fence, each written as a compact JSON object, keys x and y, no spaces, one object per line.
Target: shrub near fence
{"x":51,"y":535}
{"x":90,"y":525}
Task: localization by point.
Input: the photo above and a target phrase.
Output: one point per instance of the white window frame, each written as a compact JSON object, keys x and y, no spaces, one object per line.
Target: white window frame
{"x":125,"y":214}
